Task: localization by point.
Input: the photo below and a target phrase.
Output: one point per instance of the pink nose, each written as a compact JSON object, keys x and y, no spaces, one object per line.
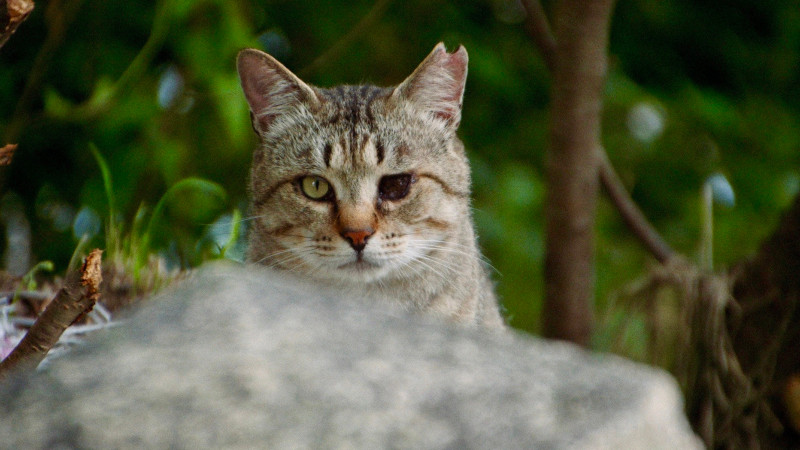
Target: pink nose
{"x":357,"y":238}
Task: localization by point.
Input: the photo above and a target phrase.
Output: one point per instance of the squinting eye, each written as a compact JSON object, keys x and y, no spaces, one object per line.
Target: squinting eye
{"x":395,"y":187}
{"x":316,"y":188}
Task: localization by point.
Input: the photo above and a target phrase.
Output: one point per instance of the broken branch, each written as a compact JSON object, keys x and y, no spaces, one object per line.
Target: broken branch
{"x":76,"y":298}
{"x":7,"y":154}
{"x":12,"y":14}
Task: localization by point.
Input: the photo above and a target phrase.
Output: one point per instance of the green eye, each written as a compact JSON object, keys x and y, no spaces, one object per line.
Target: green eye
{"x":316,"y":188}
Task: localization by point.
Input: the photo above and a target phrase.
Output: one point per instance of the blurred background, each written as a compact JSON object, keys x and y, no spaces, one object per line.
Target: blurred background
{"x":700,"y":93}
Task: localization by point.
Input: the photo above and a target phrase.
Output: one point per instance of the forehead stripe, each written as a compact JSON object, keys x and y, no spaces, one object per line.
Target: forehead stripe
{"x":370,"y":98}
{"x":445,"y":187}
{"x":380,"y":150}
{"x":326,"y":154}
{"x":343,"y":148}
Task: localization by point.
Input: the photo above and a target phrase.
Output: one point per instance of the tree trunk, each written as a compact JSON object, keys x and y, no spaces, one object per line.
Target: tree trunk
{"x":581,"y":32}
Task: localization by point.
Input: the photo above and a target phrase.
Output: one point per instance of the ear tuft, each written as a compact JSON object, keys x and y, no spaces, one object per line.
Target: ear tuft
{"x":437,"y":85}
{"x":270,"y":88}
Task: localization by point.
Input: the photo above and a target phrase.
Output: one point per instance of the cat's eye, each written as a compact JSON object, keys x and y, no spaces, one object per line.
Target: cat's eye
{"x":316,"y":188}
{"x":395,"y":187}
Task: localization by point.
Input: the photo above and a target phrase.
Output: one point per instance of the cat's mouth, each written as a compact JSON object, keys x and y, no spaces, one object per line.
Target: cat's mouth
{"x":359,"y":265}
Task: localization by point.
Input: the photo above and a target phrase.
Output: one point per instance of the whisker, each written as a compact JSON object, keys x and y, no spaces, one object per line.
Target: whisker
{"x":453,"y":251}
{"x":432,"y":269}
{"x":273,"y":263}
{"x":441,"y":263}
{"x":290,"y":255}
{"x":439,"y":267}
{"x":288,"y":250}
{"x":440,"y":241}
{"x":432,"y":244}
{"x":250,"y":218}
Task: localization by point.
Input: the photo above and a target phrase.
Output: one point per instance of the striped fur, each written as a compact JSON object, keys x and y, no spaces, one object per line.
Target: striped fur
{"x":419,"y":249}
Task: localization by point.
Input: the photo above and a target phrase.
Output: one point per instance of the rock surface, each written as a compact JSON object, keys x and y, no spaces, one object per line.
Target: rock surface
{"x":239,"y":358}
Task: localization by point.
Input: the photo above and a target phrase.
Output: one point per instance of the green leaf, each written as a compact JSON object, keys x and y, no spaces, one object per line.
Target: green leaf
{"x":236,"y":225}
{"x":198,"y":185}
{"x":112,"y":230}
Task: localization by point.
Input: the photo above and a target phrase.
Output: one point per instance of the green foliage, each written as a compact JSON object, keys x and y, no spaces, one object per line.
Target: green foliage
{"x":694,"y":89}
{"x":112,"y":227}
{"x":235,"y":234}
{"x":195,"y":199}
{"x":29,"y":279}
{"x":206,"y":195}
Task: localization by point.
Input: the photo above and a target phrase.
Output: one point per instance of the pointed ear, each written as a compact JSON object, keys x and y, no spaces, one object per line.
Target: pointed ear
{"x":270,"y":88}
{"x":437,"y":85}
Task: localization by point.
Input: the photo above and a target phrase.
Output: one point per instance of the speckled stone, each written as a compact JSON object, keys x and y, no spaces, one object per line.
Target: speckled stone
{"x":243,"y":358}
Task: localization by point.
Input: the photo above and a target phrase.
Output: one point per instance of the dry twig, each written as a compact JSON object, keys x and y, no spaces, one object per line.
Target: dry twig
{"x":76,"y":298}
{"x":7,"y":154}
{"x":12,"y":14}
{"x":727,"y":402}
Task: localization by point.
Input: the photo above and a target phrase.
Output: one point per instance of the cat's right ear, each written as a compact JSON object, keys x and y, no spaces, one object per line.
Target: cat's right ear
{"x":270,"y":88}
{"x":437,"y":85}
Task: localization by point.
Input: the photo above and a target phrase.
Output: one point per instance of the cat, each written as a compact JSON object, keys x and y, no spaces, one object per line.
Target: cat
{"x":366,"y":188}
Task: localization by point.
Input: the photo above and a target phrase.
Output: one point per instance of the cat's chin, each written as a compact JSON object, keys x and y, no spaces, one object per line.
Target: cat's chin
{"x":352,"y":273}
{"x":361,"y":271}
{"x":359,"y":266}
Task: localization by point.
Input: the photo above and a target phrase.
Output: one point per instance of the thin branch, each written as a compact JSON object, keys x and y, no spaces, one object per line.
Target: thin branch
{"x":333,"y":52}
{"x":12,"y":14}
{"x":76,"y":298}
{"x":58,"y":17}
{"x":630,"y":212}
{"x":538,"y":28}
{"x":102,"y":100}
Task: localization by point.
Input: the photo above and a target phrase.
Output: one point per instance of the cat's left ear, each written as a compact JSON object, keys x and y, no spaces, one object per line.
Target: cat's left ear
{"x":437,"y":85}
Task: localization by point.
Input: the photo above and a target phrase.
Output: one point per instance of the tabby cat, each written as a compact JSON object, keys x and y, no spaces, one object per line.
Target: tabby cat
{"x":367,"y":188}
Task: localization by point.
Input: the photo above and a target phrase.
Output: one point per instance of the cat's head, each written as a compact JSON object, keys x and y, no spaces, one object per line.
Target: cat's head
{"x":358,"y":183}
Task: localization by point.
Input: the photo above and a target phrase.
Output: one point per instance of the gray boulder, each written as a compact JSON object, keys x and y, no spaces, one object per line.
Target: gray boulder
{"x":242,"y":358}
